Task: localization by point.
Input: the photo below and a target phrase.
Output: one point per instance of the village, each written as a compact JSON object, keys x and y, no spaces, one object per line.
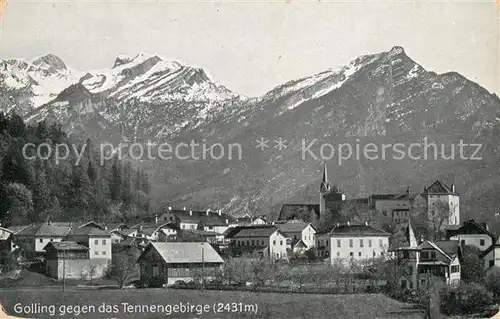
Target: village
{"x":380,"y":247}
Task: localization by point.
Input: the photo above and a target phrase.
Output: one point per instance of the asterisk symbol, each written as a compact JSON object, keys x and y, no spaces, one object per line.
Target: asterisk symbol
{"x":280,"y":143}
{"x":262,"y":143}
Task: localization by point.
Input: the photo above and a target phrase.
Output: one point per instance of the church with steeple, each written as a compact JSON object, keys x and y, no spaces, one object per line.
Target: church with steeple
{"x":330,"y":198}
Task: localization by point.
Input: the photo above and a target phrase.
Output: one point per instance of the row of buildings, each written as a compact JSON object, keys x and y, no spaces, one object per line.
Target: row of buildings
{"x":178,"y":240}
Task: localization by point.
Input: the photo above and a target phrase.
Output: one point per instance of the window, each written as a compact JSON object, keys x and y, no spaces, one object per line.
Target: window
{"x":411,"y":284}
{"x":41,"y":240}
{"x":262,"y":243}
{"x":351,"y":254}
{"x":350,"y":243}
{"x":253,"y":242}
{"x":281,"y":242}
{"x":338,"y":253}
{"x":433,"y":255}
{"x":192,"y":226}
{"x":104,"y":241}
{"x":277,"y":255}
{"x":51,"y":239}
{"x":492,"y":263}
{"x":481,"y":242}
{"x":380,"y":243}
{"x":361,"y":243}
{"x":96,"y":241}
{"x":425,"y":255}
{"x":103,"y":252}
{"x":274,"y":242}
{"x":339,"y":243}
{"x":455,"y":269}
{"x":369,"y":242}
{"x":96,"y":252}
{"x":359,"y":254}
{"x":327,"y":242}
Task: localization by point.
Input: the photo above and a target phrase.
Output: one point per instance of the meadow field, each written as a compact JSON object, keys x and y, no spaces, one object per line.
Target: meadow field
{"x":54,"y":303}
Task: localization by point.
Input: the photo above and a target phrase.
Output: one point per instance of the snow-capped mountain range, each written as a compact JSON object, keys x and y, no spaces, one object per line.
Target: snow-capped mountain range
{"x":382,"y":97}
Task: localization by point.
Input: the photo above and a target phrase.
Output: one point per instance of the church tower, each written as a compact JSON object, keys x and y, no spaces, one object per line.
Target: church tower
{"x":324,"y":189}
{"x":330,"y":198}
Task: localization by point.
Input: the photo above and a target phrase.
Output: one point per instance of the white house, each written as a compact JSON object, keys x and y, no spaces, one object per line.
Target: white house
{"x":266,"y":240}
{"x":439,"y":193}
{"x":421,"y":262}
{"x":298,"y":231}
{"x":473,"y":234}
{"x":352,"y":242}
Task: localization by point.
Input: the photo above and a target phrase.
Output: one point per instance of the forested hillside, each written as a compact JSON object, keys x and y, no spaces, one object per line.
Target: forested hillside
{"x":35,"y":188}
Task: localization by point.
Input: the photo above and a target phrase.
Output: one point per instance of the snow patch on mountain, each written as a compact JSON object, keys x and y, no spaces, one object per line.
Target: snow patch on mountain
{"x":42,"y":80}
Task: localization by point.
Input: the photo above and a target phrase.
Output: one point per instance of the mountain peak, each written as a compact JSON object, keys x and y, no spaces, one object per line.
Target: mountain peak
{"x":51,"y":62}
{"x":139,"y":57}
{"x":397,"y":50}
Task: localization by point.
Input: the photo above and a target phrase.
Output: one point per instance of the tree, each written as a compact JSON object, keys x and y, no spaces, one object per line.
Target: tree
{"x":123,"y":267}
{"x":438,"y":218}
{"x":41,"y":196}
{"x":20,"y":203}
{"x":493,"y":280}
{"x":472,"y":267}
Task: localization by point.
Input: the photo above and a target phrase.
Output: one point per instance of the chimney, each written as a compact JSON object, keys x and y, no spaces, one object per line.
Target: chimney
{"x":227,"y":221}
{"x":219,"y":212}
{"x":190,"y":212}
{"x":338,"y":224}
{"x":453,"y":188}
{"x":156,"y":219}
{"x":105,"y":227}
{"x":348,"y":224}
{"x":408,"y":190}
{"x":366,"y":223}
{"x":208,"y":211}
{"x":169,"y":207}
{"x":184,"y":208}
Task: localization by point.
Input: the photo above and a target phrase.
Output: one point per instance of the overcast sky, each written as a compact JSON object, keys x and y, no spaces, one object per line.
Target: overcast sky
{"x":251,"y":47}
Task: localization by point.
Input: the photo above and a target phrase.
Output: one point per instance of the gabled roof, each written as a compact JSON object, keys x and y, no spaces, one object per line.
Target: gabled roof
{"x":301,"y":211}
{"x":448,"y":248}
{"x":300,"y":244}
{"x":17,"y":229}
{"x":113,"y":226}
{"x":195,"y":216}
{"x":356,"y":229}
{"x":65,"y":246}
{"x":88,"y":224}
{"x":89,"y":231}
{"x":438,"y":188}
{"x":292,"y":227}
{"x":469,"y":227}
{"x":185,"y":252}
{"x":253,"y":231}
{"x":45,"y":230}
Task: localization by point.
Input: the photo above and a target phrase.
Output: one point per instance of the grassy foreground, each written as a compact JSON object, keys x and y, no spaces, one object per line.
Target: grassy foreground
{"x":269,"y":305}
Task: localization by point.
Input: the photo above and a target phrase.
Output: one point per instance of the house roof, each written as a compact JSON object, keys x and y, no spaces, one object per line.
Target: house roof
{"x":211,"y":218}
{"x":356,"y":229}
{"x":89,"y":231}
{"x":439,"y":188}
{"x":291,"y":227}
{"x":185,"y":252}
{"x":17,"y":229}
{"x":113,"y":226}
{"x":253,"y":231}
{"x":449,"y":248}
{"x":66,"y":245}
{"x":469,"y":227}
{"x":45,"y":230}
{"x":88,"y":224}
{"x":300,"y":243}
{"x":298,"y":211}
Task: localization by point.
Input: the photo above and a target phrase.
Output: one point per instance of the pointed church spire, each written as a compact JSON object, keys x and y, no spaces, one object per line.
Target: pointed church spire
{"x":325,"y":184}
{"x":410,"y":235}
